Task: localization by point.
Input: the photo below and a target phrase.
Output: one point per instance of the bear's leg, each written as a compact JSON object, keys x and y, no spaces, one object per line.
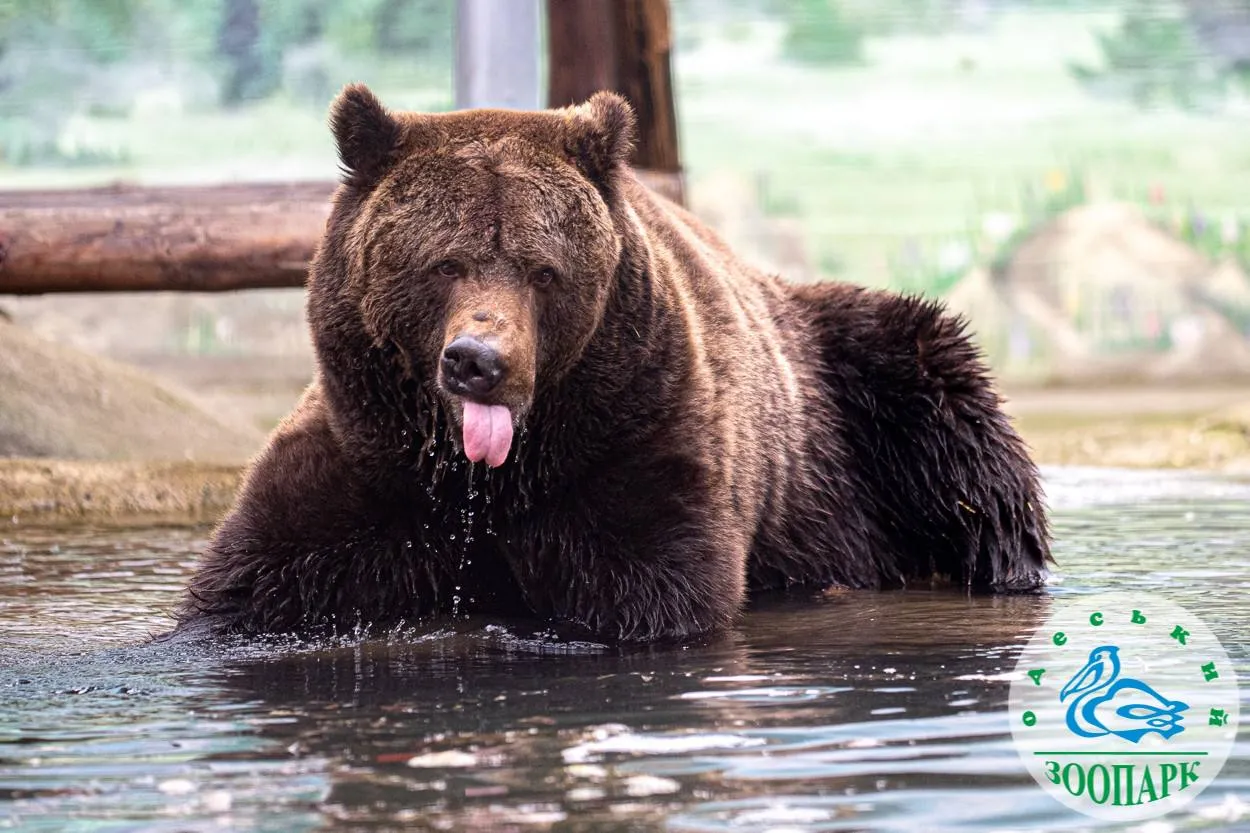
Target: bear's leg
{"x":677,"y":592}
{"x":948,"y":485}
{"x":641,"y":554}
{"x":688,"y":588}
{"x":306,"y":547}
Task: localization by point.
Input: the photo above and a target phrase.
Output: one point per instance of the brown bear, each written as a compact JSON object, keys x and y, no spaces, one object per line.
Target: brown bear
{"x":544,"y":390}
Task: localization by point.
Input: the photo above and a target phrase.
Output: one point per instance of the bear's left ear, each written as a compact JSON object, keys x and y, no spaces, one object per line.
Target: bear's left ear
{"x":603,"y":136}
{"x":366,"y":134}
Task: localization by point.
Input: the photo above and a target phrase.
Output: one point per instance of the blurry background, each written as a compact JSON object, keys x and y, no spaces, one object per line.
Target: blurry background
{"x":1074,"y":175}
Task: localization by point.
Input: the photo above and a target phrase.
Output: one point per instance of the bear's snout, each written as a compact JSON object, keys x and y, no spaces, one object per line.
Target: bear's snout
{"x":471,"y":367}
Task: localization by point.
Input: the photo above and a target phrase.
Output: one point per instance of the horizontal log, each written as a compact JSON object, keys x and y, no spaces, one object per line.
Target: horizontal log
{"x":129,"y":238}
{"x":189,"y":239}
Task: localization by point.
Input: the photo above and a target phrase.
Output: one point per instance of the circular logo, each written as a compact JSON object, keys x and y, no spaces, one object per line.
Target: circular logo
{"x":1123,"y":706}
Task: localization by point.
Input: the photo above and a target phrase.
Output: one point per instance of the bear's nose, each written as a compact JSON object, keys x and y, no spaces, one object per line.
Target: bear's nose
{"x":470,"y":366}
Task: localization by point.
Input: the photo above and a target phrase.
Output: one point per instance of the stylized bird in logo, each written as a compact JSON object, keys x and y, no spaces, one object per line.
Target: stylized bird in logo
{"x":1103,"y":704}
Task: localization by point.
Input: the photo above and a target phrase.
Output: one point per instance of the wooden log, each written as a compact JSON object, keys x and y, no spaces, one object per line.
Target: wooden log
{"x":625,"y":46}
{"x":581,"y":50}
{"x":129,"y":238}
{"x":191,"y":239}
{"x":644,"y":76}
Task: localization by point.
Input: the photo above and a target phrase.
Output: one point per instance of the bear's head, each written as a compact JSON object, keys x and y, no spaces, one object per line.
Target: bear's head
{"x":479,"y":246}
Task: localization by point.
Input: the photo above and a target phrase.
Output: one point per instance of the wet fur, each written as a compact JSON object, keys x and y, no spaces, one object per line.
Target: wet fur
{"x":696,"y":429}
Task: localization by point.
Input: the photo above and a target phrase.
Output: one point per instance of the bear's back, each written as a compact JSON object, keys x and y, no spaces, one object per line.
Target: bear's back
{"x":752,"y":373}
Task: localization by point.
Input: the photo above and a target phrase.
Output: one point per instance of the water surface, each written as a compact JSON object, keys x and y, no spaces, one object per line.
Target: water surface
{"x":851,"y":711}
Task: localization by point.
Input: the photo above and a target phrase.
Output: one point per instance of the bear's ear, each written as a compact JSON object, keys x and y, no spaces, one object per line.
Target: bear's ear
{"x":366,"y":134}
{"x":603,"y":136}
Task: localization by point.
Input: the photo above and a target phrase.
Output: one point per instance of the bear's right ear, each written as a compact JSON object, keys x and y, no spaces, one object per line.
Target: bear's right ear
{"x":366,"y":134}
{"x":603,"y":135}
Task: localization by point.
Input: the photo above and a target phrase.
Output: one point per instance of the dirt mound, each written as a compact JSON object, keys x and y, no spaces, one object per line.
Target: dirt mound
{"x":58,"y":402}
{"x":1093,"y":250}
{"x":1102,"y":292}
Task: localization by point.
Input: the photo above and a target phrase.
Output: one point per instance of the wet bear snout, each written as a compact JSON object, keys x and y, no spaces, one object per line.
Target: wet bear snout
{"x":471,"y":367}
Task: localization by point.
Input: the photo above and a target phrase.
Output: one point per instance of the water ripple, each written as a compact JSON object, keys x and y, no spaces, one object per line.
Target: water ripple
{"x":853,"y":711}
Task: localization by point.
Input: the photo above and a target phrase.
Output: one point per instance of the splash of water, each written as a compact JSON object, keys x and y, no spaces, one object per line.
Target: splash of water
{"x":466,"y":520}
{"x":486,"y":499}
{"x":523,"y":459}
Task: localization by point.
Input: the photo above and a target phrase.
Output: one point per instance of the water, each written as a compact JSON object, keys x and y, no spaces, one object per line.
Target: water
{"x":856,"y":711}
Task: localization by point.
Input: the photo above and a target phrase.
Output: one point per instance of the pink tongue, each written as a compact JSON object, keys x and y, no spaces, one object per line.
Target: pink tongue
{"x":487,"y":433}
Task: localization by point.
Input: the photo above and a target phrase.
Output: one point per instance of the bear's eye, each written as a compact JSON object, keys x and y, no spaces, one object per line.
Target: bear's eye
{"x":543,"y":277}
{"x":449,"y":269}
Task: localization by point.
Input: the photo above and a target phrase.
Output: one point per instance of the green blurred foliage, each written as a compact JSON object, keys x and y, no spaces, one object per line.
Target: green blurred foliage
{"x":936,"y":269}
{"x":58,"y":56}
{"x":1041,"y":203}
{"x":94,"y":26}
{"x":817,"y":32}
{"x":1217,"y":238}
{"x":1173,"y":54}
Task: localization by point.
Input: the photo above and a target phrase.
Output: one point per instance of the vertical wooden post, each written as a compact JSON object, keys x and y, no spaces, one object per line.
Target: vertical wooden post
{"x":497,"y":54}
{"x":581,"y":50}
{"x":644,"y":76}
{"x":625,"y":46}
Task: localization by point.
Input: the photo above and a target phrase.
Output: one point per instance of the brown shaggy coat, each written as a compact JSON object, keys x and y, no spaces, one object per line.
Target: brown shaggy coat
{"x":687,"y":427}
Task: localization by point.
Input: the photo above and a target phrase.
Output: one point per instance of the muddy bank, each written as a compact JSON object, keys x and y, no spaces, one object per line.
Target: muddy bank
{"x":1204,"y":427}
{"x":114,"y":493}
{"x":1067,"y":433}
{"x":1218,"y":441}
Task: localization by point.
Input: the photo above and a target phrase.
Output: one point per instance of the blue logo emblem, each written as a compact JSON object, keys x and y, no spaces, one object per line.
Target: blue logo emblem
{"x":1123,"y":707}
{"x":1101,"y":702}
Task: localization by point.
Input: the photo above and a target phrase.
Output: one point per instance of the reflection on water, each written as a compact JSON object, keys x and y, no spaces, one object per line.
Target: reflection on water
{"x":854,"y":711}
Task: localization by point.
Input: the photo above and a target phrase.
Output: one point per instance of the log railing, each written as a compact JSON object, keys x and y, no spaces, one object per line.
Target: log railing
{"x":125,"y":239}
{"x":191,"y":239}
{"x":219,"y":238}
